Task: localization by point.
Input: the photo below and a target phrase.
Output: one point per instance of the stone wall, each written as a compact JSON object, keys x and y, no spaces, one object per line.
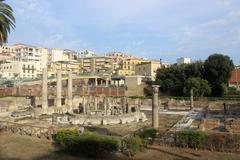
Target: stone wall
{"x":233,"y":125}
{"x":13,"y":103}
{"x":35,"y":90}
{"x":210,"y":124}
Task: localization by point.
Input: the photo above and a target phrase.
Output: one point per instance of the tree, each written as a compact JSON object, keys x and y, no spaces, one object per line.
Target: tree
{"x":218,"y":68}
{"x":172,"y":79}
{"x":7,"y":21}
{"x":195,"y":69}
{"x":200,"y":87}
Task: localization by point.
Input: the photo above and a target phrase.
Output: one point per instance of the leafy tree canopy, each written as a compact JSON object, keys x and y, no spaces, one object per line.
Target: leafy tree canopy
{"x":218,"y":69}
{"x":200,"y":87}
{"x":214,"y":72}
{"x":7,"y":21}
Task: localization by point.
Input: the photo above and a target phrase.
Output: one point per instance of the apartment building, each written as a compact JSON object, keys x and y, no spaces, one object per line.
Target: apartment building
{"x":18,"y":70}
{"x":86,"y":53}
{"x":234,"y":80}
{"x":27,"y":61}
{"x":118,"y":58}
{"x":184,"y":60}
{"x":63,"y":66}
{"x":128,"y":66}
{"x":148,"y":69}
{"x":99,"y":64}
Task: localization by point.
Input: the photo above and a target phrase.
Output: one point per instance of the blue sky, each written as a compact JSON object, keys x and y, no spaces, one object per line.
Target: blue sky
{"x":165,"y":29}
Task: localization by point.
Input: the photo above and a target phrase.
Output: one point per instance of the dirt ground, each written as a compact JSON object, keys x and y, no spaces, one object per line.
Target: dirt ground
{"x":17,"y":147}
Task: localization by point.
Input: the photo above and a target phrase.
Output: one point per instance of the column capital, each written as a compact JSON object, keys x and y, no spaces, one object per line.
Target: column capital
{"x":155,"y":88}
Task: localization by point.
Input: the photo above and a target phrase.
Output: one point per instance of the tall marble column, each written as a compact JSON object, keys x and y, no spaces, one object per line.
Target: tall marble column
{"x":105,"y":104}
{"x":96,"y":82}
{"x":44,"y":89}
{"x":139,"y":104}
{"x":96,"y":103}
{"x":191,"y":98}
{"x":124,"y":102}
{"x":59,"y":88}
{"x":107,"y":82}
{"x":70,"y":88}
{"x":155,"y":107}
{"x":84,"y":105}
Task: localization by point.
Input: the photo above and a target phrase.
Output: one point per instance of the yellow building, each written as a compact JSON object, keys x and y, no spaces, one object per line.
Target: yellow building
{"x":96,"y":65}
{"x":148,"y":69}
{"x":124,"y":72}
{"x":63,"y":66}
{"x":128,"y":66}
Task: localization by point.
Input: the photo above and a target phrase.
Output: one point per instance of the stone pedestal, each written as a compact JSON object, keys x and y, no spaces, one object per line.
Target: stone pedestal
{"x":44,"y":89}
{"x":59,"y":89}
{"x":155,"y":107}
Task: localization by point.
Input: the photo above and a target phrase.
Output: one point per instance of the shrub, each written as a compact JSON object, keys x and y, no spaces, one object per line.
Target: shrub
{"x":64,"y":134}
{"x":94,"y":145}
{"x":223,"y":142}
{"x":215,"y":142}
{"x":86,"y":144}
{"x":191,"y":138}
{"x":133,"y":145}
{"x":232,"y":91}
{"x":148,"y":135}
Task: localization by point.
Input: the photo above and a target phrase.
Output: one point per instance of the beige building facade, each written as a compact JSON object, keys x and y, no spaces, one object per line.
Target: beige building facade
{"x":148,"y":69}
{"x":18,"y":70}
{"x":99,"y":64}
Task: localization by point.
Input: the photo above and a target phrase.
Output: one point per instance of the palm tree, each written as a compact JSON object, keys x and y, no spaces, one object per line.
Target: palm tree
{"x":7,"y":21}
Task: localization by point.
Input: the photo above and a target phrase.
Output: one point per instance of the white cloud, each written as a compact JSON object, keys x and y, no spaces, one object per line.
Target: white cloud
{"x":62,"y":41}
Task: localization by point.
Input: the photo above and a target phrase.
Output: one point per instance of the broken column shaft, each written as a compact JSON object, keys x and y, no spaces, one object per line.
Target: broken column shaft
{"x":59,"y":88}
{"x":70,"y":88}
{"x":191,"y":98}
{"x":44,"y":89}
{"x":155,"y":107}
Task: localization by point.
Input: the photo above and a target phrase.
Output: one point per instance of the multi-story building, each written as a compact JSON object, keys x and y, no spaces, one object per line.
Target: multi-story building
{"x":148,"y":69}
{"x":128,"y":66}
{"x":18,"y":69}
{"x":118,"y":58}
{"x":7,"y":49}
{"x":99,"y":64}
{"x":183,"y":60}
{"x":234,"y":80}
{"x":28,"y":53}
{"x":56,"y":55}
{"x":63,"y":66}
{"x":86,"y":53}
{"x":32,"y":56}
